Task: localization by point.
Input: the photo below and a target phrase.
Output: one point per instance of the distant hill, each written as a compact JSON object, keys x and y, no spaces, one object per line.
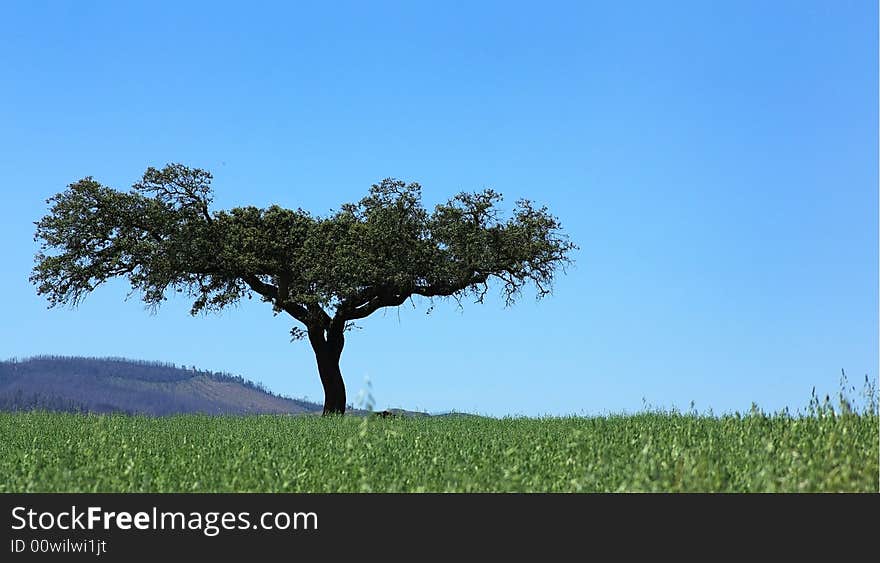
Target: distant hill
{"x":120,"y":385}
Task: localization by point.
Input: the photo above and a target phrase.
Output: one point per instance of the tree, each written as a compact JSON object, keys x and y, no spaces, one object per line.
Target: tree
{"x":325,"y":272}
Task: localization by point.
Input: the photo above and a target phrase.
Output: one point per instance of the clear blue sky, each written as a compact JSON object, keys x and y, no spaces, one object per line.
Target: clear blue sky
{"x":715,"y":161}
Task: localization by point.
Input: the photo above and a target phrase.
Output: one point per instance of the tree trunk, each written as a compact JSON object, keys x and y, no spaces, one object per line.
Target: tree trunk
{"x":327,"y":350}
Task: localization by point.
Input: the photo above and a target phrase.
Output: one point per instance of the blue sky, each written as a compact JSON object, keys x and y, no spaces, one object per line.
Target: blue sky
{"x":715,"y":161}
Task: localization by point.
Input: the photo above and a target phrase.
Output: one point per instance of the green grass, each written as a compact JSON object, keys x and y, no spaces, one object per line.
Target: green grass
{"x":644,"y":452}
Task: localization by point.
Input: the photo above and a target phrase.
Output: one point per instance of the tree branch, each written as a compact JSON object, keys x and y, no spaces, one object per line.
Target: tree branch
{"x":449,"y":289}
{"x":385,"y":299}
{"x":270,"y":292}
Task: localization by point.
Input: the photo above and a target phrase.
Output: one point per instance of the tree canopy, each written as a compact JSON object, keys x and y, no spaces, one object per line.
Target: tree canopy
{"x":325,"y":272}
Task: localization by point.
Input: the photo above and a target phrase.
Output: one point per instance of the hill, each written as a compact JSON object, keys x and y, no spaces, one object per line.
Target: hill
{"x":75,"y":384}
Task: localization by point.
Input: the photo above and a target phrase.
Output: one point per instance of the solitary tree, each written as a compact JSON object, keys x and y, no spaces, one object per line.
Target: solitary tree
{"x":325,"y":272}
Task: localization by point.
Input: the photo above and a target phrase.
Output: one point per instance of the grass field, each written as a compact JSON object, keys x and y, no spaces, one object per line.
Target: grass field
{"x":644,"y":452}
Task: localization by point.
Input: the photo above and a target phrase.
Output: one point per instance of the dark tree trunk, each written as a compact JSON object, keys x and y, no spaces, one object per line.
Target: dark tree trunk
{"x":327,"y":346}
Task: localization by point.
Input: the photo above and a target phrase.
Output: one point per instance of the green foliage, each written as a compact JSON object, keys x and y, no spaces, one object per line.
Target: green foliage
{"x":644,"y":452}
{"x":323,"y":271}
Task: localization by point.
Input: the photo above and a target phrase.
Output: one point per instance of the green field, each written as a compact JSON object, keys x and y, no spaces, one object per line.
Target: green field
{"x":644,"y":452}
